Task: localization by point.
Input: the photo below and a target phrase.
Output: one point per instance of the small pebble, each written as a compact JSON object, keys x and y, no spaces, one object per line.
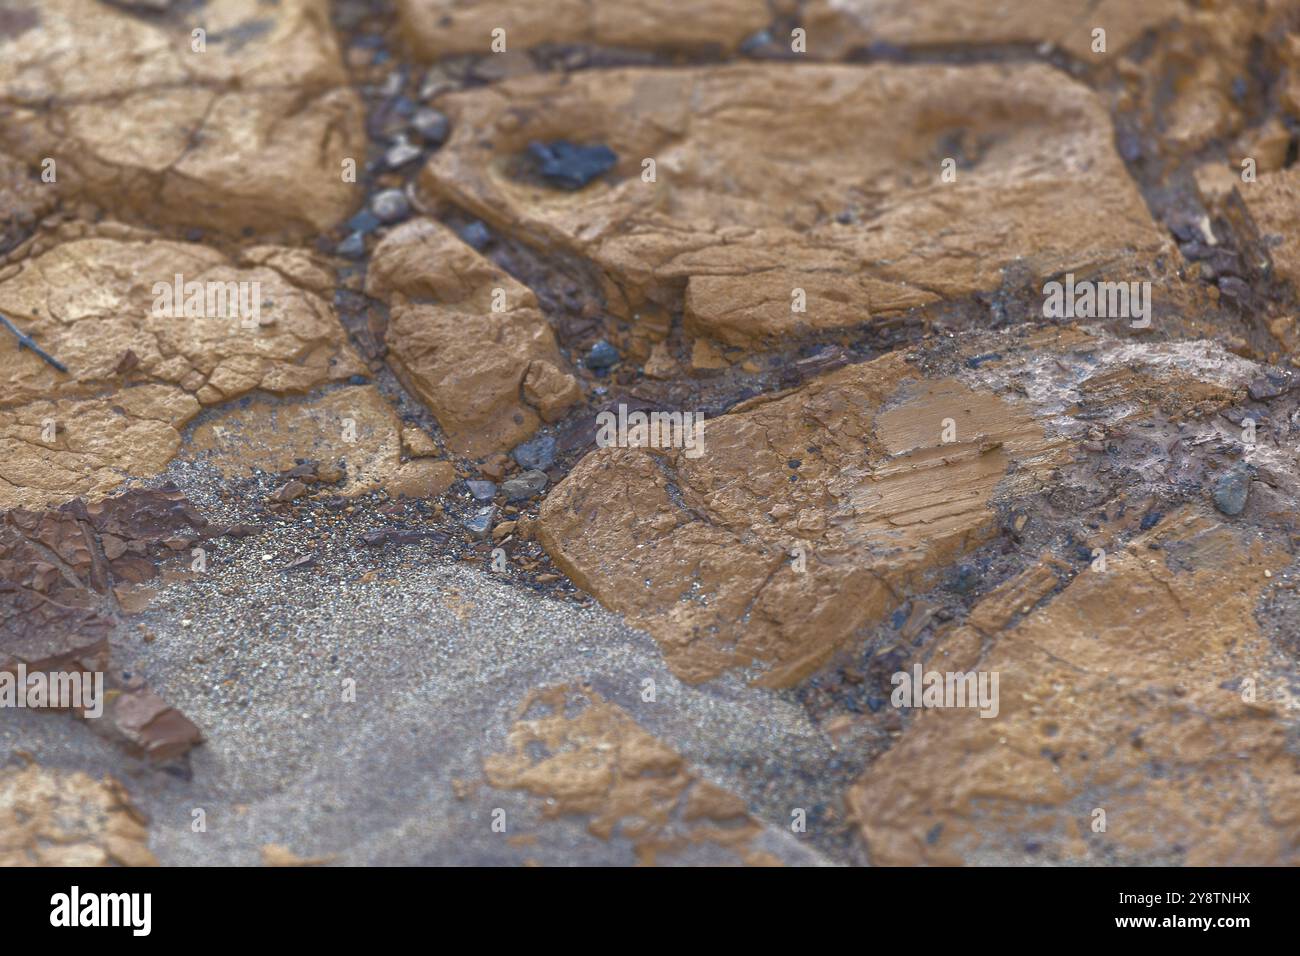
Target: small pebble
{"x":756,"y":42}
{"x":431,"y":126}
{"x":570,"y":166}
{"x":524,"y":486}
{"x":364,"y":222}
{"x":401,"y":153}
{"x":480,"y":524}
{"x":602,"y":355}
{"x":353,"y":247}
{"x":482,"y":490}
{"x":1232,"y":489}
{"x":476,"y":235}
{"x":537,"y":454}
{"x":391,"y":205}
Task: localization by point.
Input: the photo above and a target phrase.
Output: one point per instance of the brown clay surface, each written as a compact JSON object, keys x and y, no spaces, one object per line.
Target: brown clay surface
{"x":1122,"y":672}
{"x":57,"y":818}
{"x":837,"y":27}
{"x":874,"y":502}
{"x":601,"y":765}
{"x":136,"y":375}
{"x":736,"y":219}
{"x":353,"y":428}
{"x":468,"y":340}
{"x":144,"y":124}
{"x":441,"y":27}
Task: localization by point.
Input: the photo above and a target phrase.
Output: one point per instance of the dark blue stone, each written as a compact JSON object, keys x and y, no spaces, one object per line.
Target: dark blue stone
{"x":602,"y":355}
{"x":536,"y":455}
{"x":353,"y":247}
{"x":569,"y":166}
{"x":476,"y":235}
{"x":364,"y":222}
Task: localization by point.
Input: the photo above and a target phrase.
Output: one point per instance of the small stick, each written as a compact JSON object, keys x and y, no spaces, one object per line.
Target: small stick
{"x":25,"y":341}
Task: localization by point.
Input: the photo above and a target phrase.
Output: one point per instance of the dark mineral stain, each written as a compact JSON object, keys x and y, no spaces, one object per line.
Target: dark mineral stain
{"x":566,"y":165}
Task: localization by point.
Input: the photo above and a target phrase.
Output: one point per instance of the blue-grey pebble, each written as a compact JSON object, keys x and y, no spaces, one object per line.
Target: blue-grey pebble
{"x":479,"y":525}
{"x":537,"y":454}
{"x":602,"y":355}
{"x":482,"y":490}
{"x":525,"y":485}
{"x":353,"y":247}
{"x":390,"y":205}
{"x":1232,"y":489}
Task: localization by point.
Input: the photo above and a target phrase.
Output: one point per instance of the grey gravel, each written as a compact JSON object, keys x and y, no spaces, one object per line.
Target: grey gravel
{"x":756,"y":42}
{"x":475,"y":234}
{"x":353,"y":247}
{"x":442,"y":657}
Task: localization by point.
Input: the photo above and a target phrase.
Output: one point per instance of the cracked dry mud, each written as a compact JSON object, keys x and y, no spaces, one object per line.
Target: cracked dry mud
{"x":361,"y":579}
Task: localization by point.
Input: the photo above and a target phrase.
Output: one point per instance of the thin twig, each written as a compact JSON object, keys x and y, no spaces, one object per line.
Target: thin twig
{"x":25,"y":341}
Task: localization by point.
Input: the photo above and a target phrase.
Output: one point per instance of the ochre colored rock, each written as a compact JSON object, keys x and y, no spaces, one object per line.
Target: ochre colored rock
{"x":1121,"y":693}
{"x":137,"y":374}
{"x":866,"y":481}
{"x":351,"y":425}
{"x":1187,"y":83}
{"x":1273,"y":201}
{"x":699,"y":551}
{"x":836,"y":27}
{"x":140,"y":122}
{"x":93,"y":444}
{"x":601,"y":764}
{"x":1262,"y":215}
{"x":468,"y":340}
{"x":23,"y":200}
{"x":60,"y":818}
{"x":1197,"y":81}
{"x":738,"y":223}
{"x":417,"y":443}
{"x":438,"y":28}
{"x":1289,"y":50}
{"x":275,"y":854}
